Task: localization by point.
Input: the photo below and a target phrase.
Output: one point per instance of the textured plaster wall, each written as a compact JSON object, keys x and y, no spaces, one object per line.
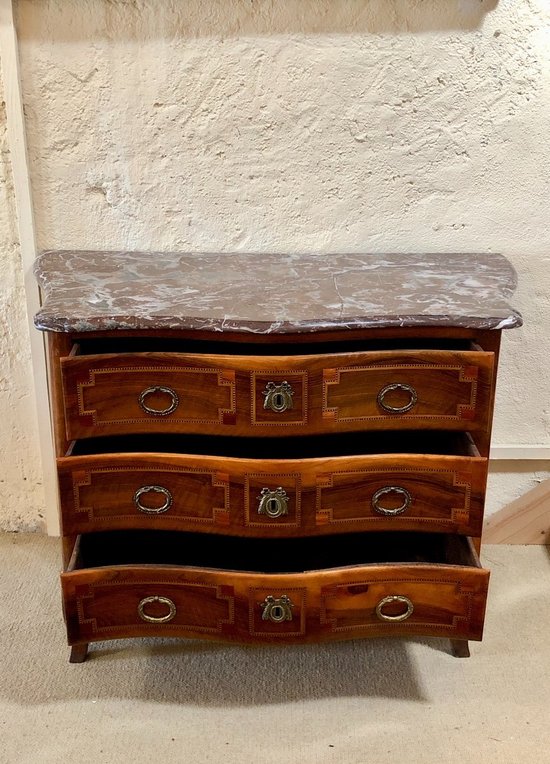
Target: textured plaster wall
{"x":21,"y":491}
{"x":304,"y":125}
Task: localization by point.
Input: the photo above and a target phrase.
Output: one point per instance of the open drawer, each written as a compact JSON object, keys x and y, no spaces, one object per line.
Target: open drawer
{"x":166,"y":392}
{"x":318,"y":485}
{"x":135,"y":584}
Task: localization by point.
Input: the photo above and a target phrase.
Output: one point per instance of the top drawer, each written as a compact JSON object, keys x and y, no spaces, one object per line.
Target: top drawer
{"x":124,"y":393}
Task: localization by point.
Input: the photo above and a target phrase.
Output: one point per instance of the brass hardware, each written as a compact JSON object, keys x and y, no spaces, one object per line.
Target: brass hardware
{"x":413,"y":398}
{"x":273,"y":503}
{"x":277,"y":609}
{"x":153,"y":489}
{"x":394,"y":618}
{"x":407,"y":499}
{"x":157,"y":619}
{"x":278,"y":398}
{"x":159,"y":389}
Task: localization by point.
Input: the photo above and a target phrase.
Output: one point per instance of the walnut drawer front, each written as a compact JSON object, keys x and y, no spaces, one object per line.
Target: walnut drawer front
{"x":128,"y":393}
{"x":277,"y":498}
{"x":385,"y":599}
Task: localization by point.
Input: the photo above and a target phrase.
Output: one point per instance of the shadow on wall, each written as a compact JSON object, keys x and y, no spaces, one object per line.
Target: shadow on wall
{"x":72,"y":20}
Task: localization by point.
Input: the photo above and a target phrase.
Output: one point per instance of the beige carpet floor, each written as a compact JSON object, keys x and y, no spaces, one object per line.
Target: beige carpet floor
{"x":379,"y":701}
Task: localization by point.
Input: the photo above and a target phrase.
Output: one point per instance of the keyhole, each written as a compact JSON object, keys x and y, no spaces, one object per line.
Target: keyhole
{"x":277,"y":613}
{"x":279,"y":400}
{"x":273,"y":506}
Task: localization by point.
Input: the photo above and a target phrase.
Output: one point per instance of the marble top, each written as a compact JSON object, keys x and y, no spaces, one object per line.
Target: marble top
{"x":269,"y":293}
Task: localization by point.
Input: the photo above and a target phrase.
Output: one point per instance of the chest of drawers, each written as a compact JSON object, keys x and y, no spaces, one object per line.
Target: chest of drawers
{"x":272,"y":448}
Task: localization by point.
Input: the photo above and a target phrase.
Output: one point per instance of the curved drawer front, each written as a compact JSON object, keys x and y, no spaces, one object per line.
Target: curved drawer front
{"x":272,"y":497}
{"x":280,"y":395}
{"x":340,"y":603}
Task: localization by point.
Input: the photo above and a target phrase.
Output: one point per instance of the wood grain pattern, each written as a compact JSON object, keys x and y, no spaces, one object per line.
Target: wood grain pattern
{"x":446,"y":392}
{"x":102,"y":603}
{"x":224,"y":394}
{"x":490,"y":342}
{"x":222,"y":495}
{"x":59,"y":345}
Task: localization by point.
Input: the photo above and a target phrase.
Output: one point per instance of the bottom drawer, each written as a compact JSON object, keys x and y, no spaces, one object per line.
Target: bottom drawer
{"x":135,"y":584}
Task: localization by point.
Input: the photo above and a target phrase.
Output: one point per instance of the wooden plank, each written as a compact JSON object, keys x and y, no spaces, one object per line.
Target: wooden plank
{"x":26,"y":231}
{"x":523,"y":452}
{"x":524,"y":521}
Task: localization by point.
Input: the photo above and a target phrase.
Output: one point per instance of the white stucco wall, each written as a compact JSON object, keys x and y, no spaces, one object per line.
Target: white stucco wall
{"x":304,"y":125}
{"x":21,"y":489}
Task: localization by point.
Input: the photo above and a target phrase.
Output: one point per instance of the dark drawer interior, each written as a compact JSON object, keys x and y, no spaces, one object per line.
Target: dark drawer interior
{"x":95,"y":346}
{"x":300,"y":447}
{"x":116,"y":548}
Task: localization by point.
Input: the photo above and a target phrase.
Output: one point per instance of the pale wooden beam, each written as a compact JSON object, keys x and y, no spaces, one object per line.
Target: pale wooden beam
{"x":524,"y":521}
{"x":523,"y":452}
{"x":25,"y":221}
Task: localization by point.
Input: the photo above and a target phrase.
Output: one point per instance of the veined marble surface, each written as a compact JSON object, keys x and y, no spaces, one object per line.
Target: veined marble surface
{"x":269,"y":293}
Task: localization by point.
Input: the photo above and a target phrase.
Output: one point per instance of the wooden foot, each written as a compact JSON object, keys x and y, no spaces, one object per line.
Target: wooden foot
{"x":459,"y":648}
{"x":78,"y":653}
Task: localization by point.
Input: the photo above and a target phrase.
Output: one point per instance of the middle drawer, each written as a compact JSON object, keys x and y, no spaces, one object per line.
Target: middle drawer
{"x":275,"y":497}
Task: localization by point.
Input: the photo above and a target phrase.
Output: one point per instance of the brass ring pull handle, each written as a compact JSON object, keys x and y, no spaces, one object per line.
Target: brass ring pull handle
{"x":153,"y":618}
{"x":413,"y":398}
{"x":159,"y":389}
{"x":390,"y":600}
{"x":153,"y":489}
{"x":407,"y":499}
{"x":273,"y":503}
{"x":277,"y":609}
{"x":278,"y":398}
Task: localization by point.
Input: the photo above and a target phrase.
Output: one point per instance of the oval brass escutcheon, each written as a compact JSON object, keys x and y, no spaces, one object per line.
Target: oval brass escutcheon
{"x":395,"y":489}
{"x":174,"y":400}
{"x":278,"y":397}
{"x":153,"y":618}
{"x":277,"y":609}
{"x":399,"y":386}
{"x":153,"y":489}
{"x":273,"y":503}
{"x":392,"y":598}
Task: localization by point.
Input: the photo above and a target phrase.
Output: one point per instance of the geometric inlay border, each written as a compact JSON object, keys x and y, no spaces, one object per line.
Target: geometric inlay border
{"x":281,"y":374}
{"x":272,"y":481}
{"x":225,"y":378}
{"x":324,"y":515}
{"x":220,"y":595}
{"x":467,"y":374}
{"x":331,"y":591}
{"x":254,"y":605}
{"x":220,"y":515}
